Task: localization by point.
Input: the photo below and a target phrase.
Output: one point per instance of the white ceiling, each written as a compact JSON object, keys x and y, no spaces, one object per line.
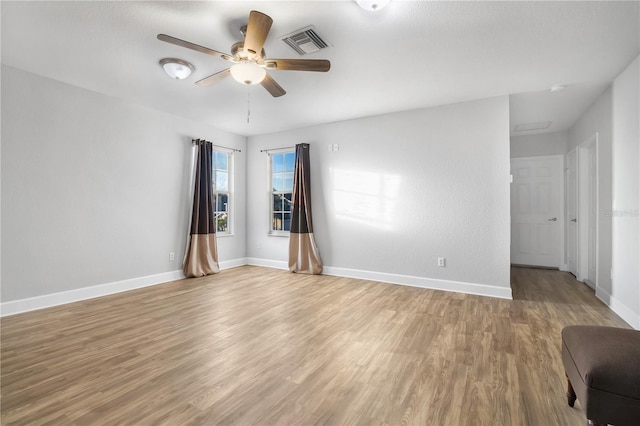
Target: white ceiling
{"x":409,"y":55}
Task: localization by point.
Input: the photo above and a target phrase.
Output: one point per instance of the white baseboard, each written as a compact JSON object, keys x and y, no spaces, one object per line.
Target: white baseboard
{"x":234,"y":263}
{"x":64,"y":297}
{"x":267,"y":263}
{"x":422,"y":282}
{"x":48,"y":300}
{"x":430,"y":283}
{"x":630,"y":317}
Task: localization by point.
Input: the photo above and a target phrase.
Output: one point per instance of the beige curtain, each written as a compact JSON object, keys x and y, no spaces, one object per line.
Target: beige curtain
{"x":201,"y":257}
{"x":303,"y":252}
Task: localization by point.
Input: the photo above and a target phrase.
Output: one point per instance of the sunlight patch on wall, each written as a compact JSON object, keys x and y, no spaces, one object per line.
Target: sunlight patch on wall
{"x":367,"y":198}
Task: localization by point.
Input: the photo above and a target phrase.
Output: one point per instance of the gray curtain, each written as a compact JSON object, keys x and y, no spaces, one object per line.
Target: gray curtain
{"x":303,"y":252}
{"x":201,"y":257}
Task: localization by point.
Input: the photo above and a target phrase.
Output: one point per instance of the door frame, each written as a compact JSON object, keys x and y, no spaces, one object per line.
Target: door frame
{"x":567,"y":240}
{"x":584,"y":216}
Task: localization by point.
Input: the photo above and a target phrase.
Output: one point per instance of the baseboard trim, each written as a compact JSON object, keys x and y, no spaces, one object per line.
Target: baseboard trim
{"x":622,"y":310}
{"x":234,"y":263}
{"x":267,"y":263}
{"x":62,"y":298}
{"x":408,"y":280}
{"x":54,"y":299}
{"x":422,"y":282}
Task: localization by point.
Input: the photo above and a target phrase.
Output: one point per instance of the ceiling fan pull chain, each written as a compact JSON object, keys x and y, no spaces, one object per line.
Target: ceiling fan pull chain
{"x":248,"y":106}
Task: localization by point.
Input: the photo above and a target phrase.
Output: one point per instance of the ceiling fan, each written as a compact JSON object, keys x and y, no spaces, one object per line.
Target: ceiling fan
{"x":248,"y":57}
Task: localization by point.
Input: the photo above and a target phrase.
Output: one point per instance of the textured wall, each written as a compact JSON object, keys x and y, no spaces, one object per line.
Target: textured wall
{"x":597,"y":119}
{"x":95,"y":190}
{"x":626,"y":181}
{"x":403,"y":190}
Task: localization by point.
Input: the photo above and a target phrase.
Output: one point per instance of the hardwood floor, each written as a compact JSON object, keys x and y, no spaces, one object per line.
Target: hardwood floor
{"x":261,"y":346}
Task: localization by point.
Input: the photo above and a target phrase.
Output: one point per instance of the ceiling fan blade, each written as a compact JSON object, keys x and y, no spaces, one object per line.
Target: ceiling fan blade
{"x":192,"y":46}
{"x":257,"y":31}
{"x":321,"y":65}
{"x":214,"y":78}
{"x":272,"y":87}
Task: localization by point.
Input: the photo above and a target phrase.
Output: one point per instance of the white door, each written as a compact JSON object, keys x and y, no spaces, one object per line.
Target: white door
{"x":537,"y":212}
{"x":572,"y":213}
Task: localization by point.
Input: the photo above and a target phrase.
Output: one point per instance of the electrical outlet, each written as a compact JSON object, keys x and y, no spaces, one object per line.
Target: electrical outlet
{"x":441,"y":262}
{"x":172,"y":256}
{"x":336,"y":147}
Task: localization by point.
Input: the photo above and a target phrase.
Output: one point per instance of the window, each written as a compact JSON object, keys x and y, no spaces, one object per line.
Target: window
{"x":222,"y":184}
{"x":282,"y":164}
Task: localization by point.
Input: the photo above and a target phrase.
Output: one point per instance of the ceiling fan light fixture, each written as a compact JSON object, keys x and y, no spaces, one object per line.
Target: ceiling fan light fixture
{"x":248,"y":73}
{"x":177,"y":68}
{"x":373,"y":5}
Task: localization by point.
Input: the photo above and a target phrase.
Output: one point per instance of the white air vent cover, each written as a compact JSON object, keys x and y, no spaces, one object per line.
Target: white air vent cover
{"x":305,"y":41}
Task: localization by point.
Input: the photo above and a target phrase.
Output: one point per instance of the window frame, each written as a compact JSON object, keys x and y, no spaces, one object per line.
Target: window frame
{"x":272,"y":192}
{"x":229,"y":192}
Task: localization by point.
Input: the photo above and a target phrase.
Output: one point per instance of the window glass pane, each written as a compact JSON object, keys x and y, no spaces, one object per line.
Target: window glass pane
{"x":277,"y":222}
{"x":222,"y":162}
{"x":289,"y":161}
{"x":221,"y":186}
{"x":222,"y":203}
{"x":222,"y":181}
{"x":282,"y":167}
{"x":278,"y":162}
{"x":286,"y":224}
{"x":288,"y":182}
{"x":222,"y":222}
{"x":278,"y":182}
{"x":287,"y":201}
{"x":277,"y":202}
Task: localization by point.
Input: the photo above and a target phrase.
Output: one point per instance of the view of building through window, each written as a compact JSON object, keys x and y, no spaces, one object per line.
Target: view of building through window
{"x":222,"y":190}
{"x":282,"y":165}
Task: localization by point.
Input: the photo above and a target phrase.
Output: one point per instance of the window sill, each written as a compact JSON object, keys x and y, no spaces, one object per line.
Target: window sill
{"x":223,"y":235}
{"x":278,"y":234}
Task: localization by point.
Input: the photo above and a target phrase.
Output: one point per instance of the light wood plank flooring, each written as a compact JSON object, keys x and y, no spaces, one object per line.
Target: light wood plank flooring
{"x":262,"y":346}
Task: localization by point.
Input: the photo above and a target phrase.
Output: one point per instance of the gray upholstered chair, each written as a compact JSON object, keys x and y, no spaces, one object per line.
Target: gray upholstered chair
{"x":603,"y":371}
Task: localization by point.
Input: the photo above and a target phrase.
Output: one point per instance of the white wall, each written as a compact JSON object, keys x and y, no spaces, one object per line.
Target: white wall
{"x":403,"y":190}
{"x":614,"y":117}
{"x":94,"y":189}
{"x":539,"y":144}
{"x":597,"y":119}
{"x":626,"y":202}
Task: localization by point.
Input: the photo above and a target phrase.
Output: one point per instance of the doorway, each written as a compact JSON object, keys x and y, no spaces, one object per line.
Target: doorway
{"x":582,"y":211}
{"x":537,"y":211}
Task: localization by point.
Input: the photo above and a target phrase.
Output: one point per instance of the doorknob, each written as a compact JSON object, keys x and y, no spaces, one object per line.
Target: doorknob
{"x":574,"y":220}
{"x":553,"y":219}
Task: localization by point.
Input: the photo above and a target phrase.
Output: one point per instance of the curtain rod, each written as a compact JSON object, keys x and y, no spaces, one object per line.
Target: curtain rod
{"x":276,"y":149}
{"x":194,"y":141}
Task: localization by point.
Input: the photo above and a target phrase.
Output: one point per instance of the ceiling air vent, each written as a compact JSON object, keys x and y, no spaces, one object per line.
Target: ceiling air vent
{"x":305,"y":41}
{"x":532,"y":126}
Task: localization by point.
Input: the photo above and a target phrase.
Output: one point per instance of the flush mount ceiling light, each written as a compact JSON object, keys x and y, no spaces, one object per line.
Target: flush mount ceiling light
{"x":558,"y":88}
{"x":248,"y":73}
{"x":373,"y":5}
{"x":177,"y":68}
